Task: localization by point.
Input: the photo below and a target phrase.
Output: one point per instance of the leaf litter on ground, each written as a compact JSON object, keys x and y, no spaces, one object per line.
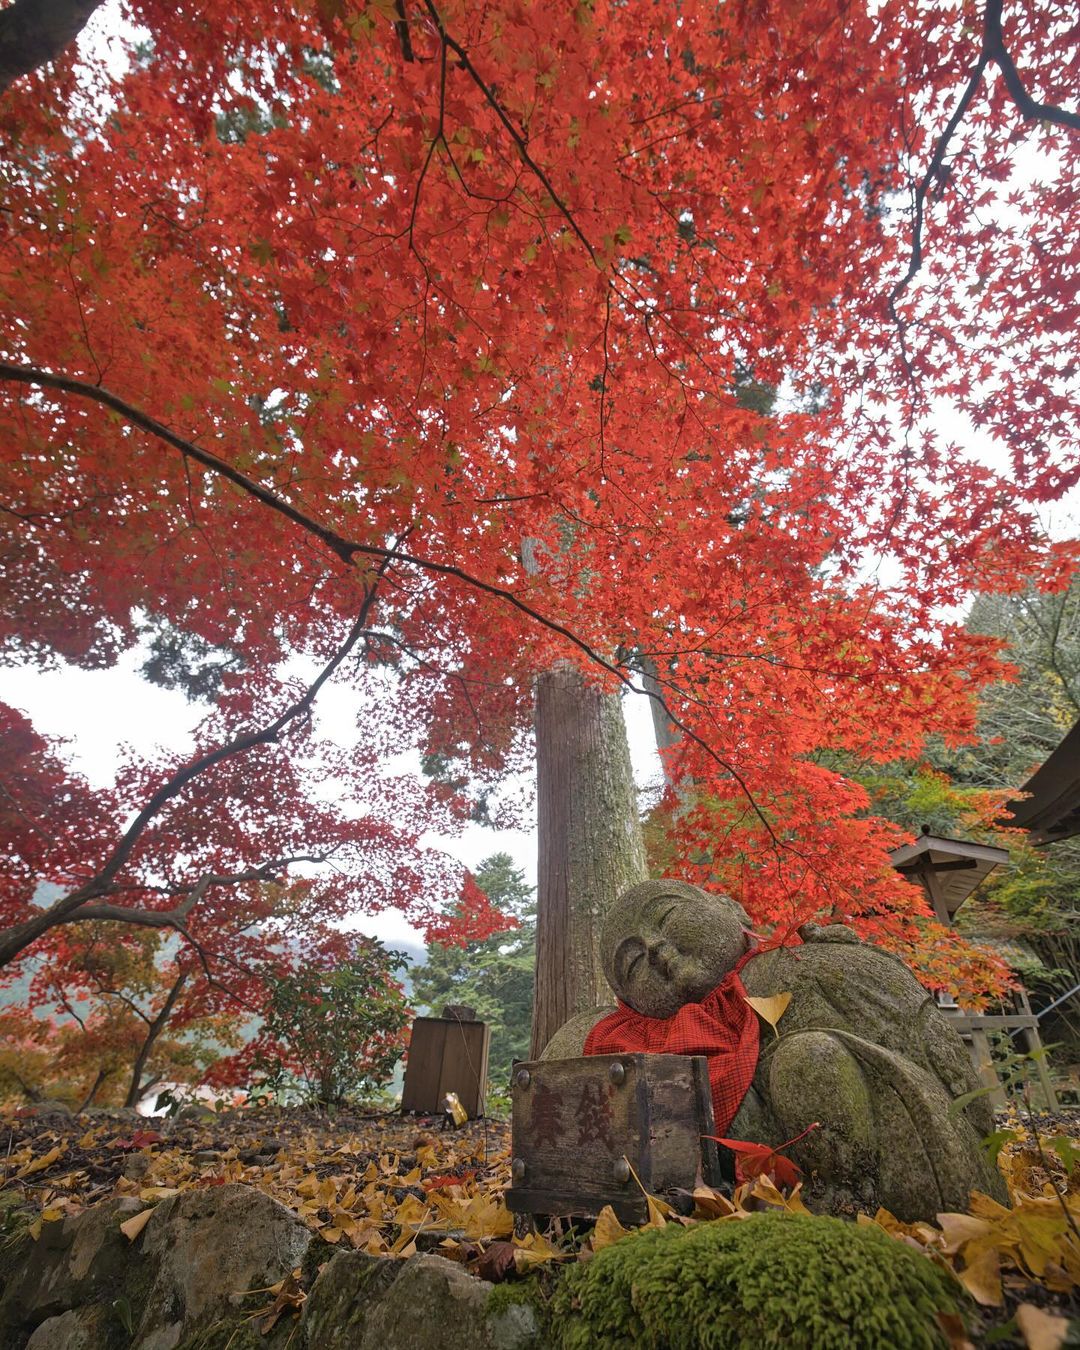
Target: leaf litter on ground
{"x":391,"y":1185}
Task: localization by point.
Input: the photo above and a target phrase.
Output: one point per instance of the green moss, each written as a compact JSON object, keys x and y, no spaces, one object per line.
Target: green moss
{"x":527,"y":1293}
{"x":775,"y":1280}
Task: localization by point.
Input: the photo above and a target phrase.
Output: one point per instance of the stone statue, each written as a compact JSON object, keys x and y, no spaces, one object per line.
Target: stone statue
{"x":861,"y":1048}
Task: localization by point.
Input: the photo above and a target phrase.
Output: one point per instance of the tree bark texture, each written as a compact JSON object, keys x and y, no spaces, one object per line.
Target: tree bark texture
{"x":33,"y":32}
{"x":590,"y":842}
{"x":156,"y":1027}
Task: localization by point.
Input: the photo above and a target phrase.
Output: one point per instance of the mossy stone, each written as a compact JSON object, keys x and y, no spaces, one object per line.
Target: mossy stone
{"x":346,"y":1290}
{"x":778,"y":1281}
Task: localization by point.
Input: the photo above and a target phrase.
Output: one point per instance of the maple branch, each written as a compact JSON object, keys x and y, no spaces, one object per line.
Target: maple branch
{"x":156,"y":1027}
{"x":402,"y":28}
{"x":74,"y":906}
{"x":34,"y":32}
{"x":517,"y":137}
{"x":346,"y":550}
{"x":48,"y":380}
{"x":993,"y":51}
{"x":932,"y":170}
{"x":163,"y":918}
{"x":994,"y":48}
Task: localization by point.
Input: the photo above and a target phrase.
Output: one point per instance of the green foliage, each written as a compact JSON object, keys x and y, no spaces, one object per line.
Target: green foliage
{"x":774,"y":1280}
{"x":494,"y":976}
{"x":332,"y":1036}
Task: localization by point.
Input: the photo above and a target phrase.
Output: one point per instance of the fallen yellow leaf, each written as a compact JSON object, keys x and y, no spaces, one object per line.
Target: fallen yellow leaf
{"x":608,"y":1229}
{"x":1041,"y":1330}
{"x":40,"y":1164}
{"x":131,"y":1228}
{"x":982,"y":1279}
{"x":770,"y":1009}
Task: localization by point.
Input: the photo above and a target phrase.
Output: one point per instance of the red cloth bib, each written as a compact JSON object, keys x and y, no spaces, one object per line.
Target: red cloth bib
{"x":722,"y":1026}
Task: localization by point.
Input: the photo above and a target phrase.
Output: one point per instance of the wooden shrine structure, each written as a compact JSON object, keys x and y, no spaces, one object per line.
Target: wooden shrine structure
{"x":949,"y":870}
{"x":447,"y":1054}
{"x":1050,"y":808}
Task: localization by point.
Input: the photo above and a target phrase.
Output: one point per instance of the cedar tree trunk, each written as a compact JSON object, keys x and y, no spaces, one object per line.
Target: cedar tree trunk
{"x":590,"y":843}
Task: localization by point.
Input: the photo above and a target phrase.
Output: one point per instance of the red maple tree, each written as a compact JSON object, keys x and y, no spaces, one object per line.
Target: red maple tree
{"x":318,"y":313}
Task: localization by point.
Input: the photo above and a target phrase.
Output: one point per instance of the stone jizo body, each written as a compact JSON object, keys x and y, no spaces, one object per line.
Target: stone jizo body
{"x":862,"y":1049}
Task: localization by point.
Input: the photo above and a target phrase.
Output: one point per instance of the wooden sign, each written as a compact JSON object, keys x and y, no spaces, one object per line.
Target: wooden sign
{"x":446,"y":1055}
{"x":581,"y":1125}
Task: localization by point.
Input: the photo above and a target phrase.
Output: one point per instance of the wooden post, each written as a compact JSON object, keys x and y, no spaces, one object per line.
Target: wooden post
{"x":984,"y":1066}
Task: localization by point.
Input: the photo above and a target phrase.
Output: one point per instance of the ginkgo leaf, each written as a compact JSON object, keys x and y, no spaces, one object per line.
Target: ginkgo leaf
{"x":1041,"y":1330}
{"x":982,"y":1279}
{"x":131,"y":1228}
{"x":40,"y":1164}
{"x":608,"y":1230}
{"x":770,"y":1009}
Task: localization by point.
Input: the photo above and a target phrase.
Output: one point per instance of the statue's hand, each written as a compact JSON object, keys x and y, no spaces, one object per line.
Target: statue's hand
{"x":829,"y":932}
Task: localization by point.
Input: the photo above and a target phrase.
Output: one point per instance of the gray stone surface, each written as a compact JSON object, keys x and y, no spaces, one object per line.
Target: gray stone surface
{"x":347,"y":1288}
{"x":666,"y":943}
{"x":187,"y":1283}
{"x":81,"y":1260}
{"x":49,"y":1107}
{"x":863,"y":1050}
{"x":431,"y":1301}
{"x":81,"y":1329}
{"x":203,"y":1251}
{"x":362,"y":1302}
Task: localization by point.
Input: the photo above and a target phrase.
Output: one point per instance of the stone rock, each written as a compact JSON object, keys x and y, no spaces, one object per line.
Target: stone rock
{"x":362,"y":1302}
{"x":49,"y":1107}
{"x":432,"y":1300}
{"x":80,"y":1329}
{"x":203,"y":1251}
{"x":194,"y":1113}
{"x":348,"y":1287}
{"x":84,"y":1262}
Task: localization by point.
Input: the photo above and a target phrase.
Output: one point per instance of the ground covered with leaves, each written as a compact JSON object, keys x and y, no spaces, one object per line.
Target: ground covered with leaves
{"x":390,"y":1185}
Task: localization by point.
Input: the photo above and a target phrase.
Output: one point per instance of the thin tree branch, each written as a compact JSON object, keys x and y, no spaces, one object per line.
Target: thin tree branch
{"x":156,"y":1027}
{"x":515,"y":134}
{"x":47,"y":380}
{"x":994,"y":48}
{"x":933,"y":169}
{"x":17,"y":938}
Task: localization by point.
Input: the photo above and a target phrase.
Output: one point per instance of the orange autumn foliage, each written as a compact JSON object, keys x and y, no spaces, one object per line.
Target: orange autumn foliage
{"x":316,"y":314}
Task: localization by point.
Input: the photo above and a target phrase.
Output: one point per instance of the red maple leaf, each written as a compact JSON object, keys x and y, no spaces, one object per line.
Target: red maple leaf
{"x":760,"y":1160}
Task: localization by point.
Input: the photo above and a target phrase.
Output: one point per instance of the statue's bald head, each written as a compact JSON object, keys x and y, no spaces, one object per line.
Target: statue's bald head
{"x":666,"y":943}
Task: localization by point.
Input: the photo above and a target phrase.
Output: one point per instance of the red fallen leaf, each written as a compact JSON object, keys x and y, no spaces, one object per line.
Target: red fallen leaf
{"x":446,"y":1179}
{"x":140,"y":1139}
{"x":756,"y":1160}
{"x":496,"y":1261}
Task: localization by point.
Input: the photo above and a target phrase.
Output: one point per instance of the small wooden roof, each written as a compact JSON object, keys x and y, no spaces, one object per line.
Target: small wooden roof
{"x":947,"y":869}
{"x":1052,"y":810}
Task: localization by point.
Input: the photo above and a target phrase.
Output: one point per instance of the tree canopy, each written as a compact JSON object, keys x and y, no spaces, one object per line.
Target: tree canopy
{"x":315,"y":313}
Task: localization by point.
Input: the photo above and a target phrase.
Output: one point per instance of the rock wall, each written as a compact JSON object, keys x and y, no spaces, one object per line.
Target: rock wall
{"x":196,"y":1278}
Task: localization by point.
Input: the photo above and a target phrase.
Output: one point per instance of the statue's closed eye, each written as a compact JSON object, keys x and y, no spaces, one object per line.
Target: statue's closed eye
{"x":627,"y":958}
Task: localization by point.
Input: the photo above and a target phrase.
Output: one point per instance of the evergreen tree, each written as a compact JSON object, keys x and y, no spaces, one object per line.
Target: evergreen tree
{"x":494,"y":976}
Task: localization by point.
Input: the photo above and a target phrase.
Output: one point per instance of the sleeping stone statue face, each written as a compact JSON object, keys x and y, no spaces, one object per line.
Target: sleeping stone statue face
{"x":666,"y":943}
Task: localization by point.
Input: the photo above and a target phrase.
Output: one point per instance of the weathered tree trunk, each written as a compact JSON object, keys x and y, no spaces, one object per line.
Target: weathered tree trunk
{"x":33,"y":32}
{"x":590,"y":843}
{"x":136,"y":1087}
